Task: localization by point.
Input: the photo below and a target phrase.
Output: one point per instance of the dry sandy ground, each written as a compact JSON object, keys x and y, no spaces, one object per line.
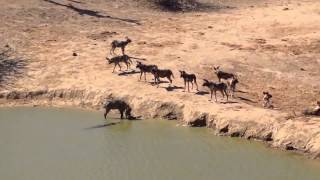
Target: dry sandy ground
{"x":268,"y":47}
{"x":272,"y":46}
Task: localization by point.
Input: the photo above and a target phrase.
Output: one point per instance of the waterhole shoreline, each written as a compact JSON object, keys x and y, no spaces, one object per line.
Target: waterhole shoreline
{"x":275,"y":129}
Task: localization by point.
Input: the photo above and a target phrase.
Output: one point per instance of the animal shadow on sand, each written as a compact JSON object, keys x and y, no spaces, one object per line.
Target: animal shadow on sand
{"x":11,"y":67}
{"x":126,"y":73}
{"x":76,"y":1}
{"x":201,"y":93}
{"x":229,"y":102}
{"x":172,"y":88}
{"x":246,"y":99}
{"x":240,"y":91}
{"x":92,"y":13}
{"x":160,"y":82}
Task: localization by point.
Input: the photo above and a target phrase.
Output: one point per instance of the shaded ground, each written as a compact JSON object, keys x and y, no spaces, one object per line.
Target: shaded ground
{"x":11,"y":67}
{"x":92,"y":13}
{"x":271,"y":45}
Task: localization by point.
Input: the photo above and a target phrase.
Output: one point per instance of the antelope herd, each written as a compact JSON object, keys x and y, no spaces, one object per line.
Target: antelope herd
{"x":226,"y":84}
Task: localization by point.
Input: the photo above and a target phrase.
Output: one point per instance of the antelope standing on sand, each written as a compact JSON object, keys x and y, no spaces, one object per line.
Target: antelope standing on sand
{"x":214,"y":87}
{"x":188,"y":78}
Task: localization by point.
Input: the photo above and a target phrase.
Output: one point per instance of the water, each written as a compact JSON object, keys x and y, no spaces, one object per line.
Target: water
{"x":61,"y":144}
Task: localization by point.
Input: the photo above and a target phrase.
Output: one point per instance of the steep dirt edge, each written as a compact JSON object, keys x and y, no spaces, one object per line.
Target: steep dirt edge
{"x":302,"y":136}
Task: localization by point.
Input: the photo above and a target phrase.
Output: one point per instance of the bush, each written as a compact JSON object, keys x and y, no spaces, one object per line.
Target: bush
{"x":179,"y":5}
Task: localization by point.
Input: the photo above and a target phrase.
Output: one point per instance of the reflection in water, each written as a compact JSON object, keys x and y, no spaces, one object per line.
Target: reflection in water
{"x":71,"y":144}
{"x":103,"y":125}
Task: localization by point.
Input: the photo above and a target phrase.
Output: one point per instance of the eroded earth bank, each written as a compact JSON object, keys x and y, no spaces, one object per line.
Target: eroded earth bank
{"x":59,"y":49}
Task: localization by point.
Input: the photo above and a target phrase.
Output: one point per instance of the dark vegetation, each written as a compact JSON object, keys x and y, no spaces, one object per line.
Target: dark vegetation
{"x":11,"y":67}
{"x":187,"y":5}
{"x":178,"y":5}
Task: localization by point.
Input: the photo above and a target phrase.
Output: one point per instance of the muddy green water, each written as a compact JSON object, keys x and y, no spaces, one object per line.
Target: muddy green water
{"x":61,"y":144}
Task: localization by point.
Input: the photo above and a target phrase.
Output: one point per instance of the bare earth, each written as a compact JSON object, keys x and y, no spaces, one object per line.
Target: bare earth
{"x":272,"y":46}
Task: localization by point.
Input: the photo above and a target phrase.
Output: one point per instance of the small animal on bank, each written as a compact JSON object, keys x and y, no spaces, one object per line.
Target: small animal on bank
{"x":266,"y":100}
{"x":221,"y":74}
{"x":118,"y":59}
{"x":161,"y":73}
{"x":313,"y":112}
{"x":214,"y":87}
{"x":119,"y":44}
{"x":144,"y":69}
{"x":188,"y":78}
{"x":232,"y":83}
{"x":120,"y":105}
